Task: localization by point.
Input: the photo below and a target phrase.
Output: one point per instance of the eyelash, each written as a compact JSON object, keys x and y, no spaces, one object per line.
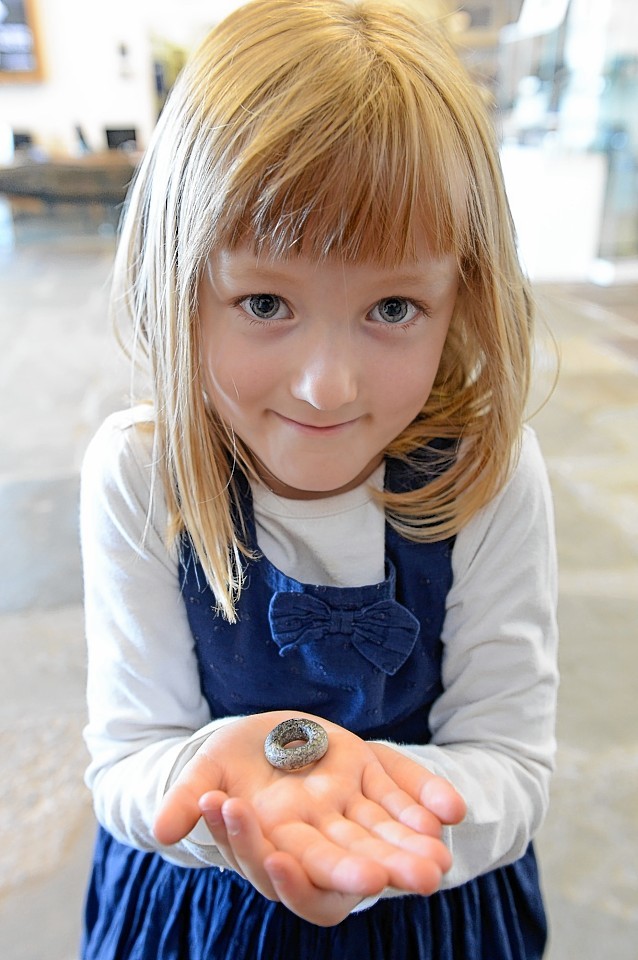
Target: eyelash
{"x":240,"y":301}
{"x":421,"y":310}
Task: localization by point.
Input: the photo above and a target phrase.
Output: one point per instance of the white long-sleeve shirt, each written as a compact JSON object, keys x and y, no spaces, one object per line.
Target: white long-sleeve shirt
{"x":492,"y":727}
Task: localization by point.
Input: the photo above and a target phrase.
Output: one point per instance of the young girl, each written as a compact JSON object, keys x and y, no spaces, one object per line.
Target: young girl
{"x":330,"y":512}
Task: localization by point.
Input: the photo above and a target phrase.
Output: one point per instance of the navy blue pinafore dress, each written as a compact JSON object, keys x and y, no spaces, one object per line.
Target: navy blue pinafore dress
{"x":368,"y":658}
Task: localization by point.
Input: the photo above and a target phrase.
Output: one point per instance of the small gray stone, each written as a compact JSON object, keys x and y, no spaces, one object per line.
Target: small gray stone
{"x":315,"y":744}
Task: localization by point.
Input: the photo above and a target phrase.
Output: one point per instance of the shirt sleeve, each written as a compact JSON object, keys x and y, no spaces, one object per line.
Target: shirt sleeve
{"x":493,"y":726}
{"x":147,"y":715}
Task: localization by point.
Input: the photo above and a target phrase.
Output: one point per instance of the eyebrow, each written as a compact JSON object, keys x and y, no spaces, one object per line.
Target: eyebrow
{"x":265,"y":273}
{"x":277,"y":275}
{"x":404,"y":278}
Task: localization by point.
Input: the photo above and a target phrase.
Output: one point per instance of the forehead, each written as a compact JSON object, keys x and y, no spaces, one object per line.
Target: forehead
{"x":244,"y":265}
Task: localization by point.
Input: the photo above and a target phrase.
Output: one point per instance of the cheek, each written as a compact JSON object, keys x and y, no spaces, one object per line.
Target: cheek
{"x":417,"y":393}
{"x":424,"y":366}
{"x":405,"y":387}
{"x":233,"y":379}
{"x":219,"y":375}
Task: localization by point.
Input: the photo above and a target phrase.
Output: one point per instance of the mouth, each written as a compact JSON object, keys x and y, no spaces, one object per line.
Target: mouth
{"x":318,"y":429}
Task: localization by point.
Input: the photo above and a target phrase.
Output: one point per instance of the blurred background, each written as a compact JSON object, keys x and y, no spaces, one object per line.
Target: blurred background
{"x":81,"y":86}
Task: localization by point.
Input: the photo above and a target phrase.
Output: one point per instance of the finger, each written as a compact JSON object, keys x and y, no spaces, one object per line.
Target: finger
{"x":210,"y":806}
{"x":444,"y":800}
{"x":331,"y":865}
{"x":382,"y":789}
{"x":414,"y":816}
{"x":361,"y":865}
{"x":434,"y":792}
{"x":211,"y":809}
{"x":248,"y":846}
{"x":413,"y":874}
{"x":412,"y":861}
{"x":374,"y":819}
{"x":416,"y":845}
{"x":324,"y":908}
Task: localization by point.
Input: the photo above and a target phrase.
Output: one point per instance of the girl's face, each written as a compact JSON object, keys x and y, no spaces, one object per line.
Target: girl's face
{"x":317,"y":367}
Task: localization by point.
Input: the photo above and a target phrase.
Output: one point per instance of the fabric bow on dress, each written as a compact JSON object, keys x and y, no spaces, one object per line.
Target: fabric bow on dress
{"x":384,"y":632}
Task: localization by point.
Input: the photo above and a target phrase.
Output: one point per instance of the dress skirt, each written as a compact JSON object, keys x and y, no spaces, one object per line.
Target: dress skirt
{"x":140,"y":907}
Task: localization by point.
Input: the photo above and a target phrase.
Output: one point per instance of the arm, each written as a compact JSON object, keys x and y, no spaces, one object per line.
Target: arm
{"x":493,"y":726}
{"x":146,"y":712}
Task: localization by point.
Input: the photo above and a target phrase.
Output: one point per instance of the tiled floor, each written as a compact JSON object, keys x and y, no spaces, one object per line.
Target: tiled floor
{"x":61,"y":373}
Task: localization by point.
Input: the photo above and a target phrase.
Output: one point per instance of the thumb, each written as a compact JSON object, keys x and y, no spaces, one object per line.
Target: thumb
{"x":177,"y":814}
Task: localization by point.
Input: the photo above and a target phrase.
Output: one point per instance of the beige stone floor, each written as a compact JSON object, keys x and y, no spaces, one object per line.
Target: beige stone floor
{"x":60,"y":374}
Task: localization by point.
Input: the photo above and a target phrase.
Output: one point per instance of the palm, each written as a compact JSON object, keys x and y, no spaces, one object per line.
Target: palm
{"x":343,"y":828}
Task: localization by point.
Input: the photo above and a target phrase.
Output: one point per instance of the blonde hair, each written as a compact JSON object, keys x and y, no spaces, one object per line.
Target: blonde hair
{"x":328,"y":128}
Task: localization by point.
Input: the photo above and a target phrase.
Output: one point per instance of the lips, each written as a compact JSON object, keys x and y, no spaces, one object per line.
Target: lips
{"x":317,"y":428}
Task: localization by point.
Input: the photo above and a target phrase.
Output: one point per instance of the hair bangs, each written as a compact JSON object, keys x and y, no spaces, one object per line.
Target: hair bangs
{"x":369,"y":169}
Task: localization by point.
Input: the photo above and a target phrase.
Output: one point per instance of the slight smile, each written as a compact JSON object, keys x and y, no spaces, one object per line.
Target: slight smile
{"x":317,"y":429}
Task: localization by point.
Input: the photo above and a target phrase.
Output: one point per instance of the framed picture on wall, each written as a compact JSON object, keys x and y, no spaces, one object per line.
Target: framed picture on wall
{"x":20,"y":59}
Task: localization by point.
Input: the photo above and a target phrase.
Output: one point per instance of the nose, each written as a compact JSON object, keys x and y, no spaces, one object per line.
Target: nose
{"x":326,"y":371}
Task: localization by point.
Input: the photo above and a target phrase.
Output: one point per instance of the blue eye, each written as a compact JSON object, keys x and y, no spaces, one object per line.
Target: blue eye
{"x":264,"y":306}
{"x":394,"y":310}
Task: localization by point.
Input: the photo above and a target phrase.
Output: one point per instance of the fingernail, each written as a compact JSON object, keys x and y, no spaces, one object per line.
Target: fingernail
{"x":233,"y":825}
{"x":213,"y":818}
{"x":276,"y":873}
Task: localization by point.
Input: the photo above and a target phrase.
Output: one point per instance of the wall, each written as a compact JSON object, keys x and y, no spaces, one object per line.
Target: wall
{"x":87,"y":81}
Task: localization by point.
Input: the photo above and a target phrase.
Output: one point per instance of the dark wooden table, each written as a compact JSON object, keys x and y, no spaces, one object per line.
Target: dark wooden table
{"x":96,"y":178}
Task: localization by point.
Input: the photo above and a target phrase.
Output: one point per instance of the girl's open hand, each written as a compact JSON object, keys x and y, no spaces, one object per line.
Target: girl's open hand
{"x":322,"y":838}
